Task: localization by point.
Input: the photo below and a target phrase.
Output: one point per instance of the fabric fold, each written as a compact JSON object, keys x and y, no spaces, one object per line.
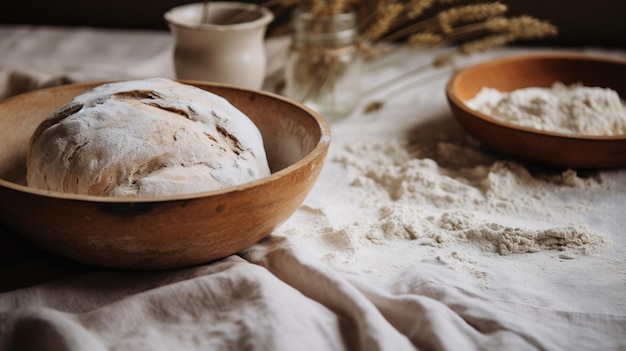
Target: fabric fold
{"x":230,"y":305}
{"x":426,"y":300}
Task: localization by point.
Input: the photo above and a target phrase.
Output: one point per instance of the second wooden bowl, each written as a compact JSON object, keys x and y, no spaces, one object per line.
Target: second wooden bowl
{"x":540,"y":70}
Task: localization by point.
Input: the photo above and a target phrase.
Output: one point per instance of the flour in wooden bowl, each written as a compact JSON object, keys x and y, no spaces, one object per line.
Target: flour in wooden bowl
{"x":569,"y":109}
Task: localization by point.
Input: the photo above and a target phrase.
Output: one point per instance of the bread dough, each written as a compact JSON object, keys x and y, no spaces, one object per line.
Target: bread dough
{"x":152,"y":137}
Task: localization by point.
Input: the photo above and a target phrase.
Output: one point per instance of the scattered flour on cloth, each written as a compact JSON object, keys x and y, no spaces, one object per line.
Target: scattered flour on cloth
{"x":570,"y":109}
{"x":447,"y":199}
{"x":500,"y":207}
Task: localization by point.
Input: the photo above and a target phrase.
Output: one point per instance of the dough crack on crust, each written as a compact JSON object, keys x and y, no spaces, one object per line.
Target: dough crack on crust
{"x":77,"y":148}
{"x":152,"y":137}
{"x":237,"y":148}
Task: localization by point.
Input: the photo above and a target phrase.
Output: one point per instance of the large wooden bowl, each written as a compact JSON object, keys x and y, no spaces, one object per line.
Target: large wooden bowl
{"x":151,"y":233}
{"x":540,"y":70}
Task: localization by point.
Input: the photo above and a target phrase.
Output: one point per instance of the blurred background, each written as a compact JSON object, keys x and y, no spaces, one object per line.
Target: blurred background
{"x":581,"y":23}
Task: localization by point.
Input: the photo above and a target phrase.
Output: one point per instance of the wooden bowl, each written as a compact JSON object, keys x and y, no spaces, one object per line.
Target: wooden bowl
{"x":166,"y":232}
{"x":540,"y":70}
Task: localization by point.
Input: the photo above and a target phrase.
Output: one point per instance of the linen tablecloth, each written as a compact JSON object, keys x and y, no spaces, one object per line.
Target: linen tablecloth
{"x":334,"y":277}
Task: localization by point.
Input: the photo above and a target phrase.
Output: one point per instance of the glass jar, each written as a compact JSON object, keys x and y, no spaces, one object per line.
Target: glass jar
{"x":323,"y":69}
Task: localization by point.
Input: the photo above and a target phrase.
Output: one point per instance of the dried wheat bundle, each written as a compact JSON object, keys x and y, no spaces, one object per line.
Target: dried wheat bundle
{"x":471,"y":26}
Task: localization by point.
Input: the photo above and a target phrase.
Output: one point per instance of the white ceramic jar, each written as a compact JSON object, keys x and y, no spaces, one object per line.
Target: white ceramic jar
{"x":227,"y":48}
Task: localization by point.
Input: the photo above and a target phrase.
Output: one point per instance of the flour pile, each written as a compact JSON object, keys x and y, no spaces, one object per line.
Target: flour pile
{"x":497,"y":206}
{"x":573,"y":109}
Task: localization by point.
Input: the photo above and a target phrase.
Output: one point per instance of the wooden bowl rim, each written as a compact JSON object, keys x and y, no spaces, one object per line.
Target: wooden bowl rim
{"x":318,"y":150}
{"x":453,"y":98}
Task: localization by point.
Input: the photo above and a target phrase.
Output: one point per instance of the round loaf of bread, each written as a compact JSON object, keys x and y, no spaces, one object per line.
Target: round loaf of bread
{"x":152,"y":137}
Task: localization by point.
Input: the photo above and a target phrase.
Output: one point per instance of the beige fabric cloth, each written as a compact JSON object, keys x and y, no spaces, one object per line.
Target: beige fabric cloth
{"x":278,"y":294}
{"x":274,"y":297}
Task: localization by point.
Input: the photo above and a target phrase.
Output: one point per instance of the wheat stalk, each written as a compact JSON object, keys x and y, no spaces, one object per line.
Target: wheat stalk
{"x":417,"y":7}
{"x":522,"y":27}
{"x":487,"y":43}
{"x":387,"y":13}
{"x":468,"y":13}
{"x":424,"y":39}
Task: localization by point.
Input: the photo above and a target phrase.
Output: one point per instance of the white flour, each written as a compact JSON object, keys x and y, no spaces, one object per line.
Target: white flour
{"x":573,"y":109}
{"x":497,"y":206}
